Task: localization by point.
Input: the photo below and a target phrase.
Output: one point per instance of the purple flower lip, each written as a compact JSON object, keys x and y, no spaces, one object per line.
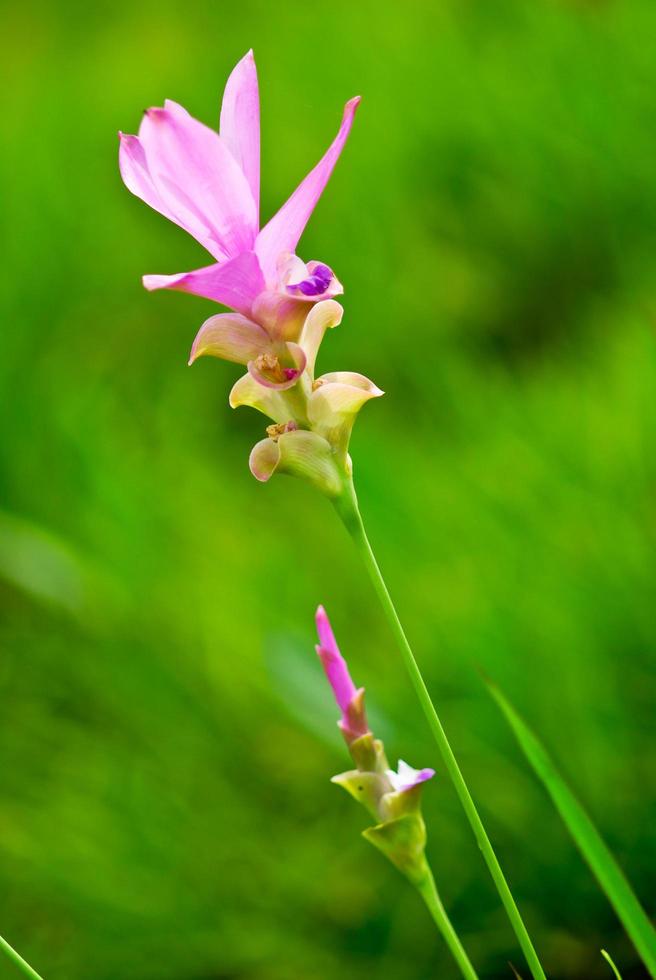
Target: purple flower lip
{"x":407,"y":778}
{"x":315,"y":284}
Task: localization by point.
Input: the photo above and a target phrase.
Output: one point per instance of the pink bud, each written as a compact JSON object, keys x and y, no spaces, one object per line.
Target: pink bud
{"x":350,"y":699}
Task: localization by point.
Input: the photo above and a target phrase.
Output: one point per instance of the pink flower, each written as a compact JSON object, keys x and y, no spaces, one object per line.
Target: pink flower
{"x":350,"y":699}
{"x":208,"y":182}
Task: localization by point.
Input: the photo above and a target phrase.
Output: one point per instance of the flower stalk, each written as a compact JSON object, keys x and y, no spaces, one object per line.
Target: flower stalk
{"x":391,"y":797}
{"x":428,"y":891}
{"x":208,"y":183}
{"x":348,"y":510}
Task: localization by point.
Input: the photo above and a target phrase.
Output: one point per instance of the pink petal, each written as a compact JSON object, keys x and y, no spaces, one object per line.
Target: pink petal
{"x":136,"y":176}
{"x":235,"y":283}
{"x":240,"y":122}
{"x":198,"y":180}
{"x":283,"y":316}
{"x":282,"y":233}
{"x":333,"y":663}
{"x":325,"y":631}
{"x":231,"y":337}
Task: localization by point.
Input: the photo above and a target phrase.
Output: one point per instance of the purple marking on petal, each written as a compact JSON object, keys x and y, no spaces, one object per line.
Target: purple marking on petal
{"x":324,"y":271}
{"x":408,"y":778}
{"x":291,"y":373}
{"x":312,"y":286}
{"x":315,"y":284}
{"x":423,"y":775}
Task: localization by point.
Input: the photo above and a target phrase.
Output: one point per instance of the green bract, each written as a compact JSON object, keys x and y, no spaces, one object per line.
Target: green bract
{"x":313,"y":417}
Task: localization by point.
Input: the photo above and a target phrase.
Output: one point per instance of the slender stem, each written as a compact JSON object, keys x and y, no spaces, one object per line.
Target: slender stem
{"x":347,"y":507}
{"x":428,"y":891}
{"x":607,"y":957}
{"x":18,"y":960}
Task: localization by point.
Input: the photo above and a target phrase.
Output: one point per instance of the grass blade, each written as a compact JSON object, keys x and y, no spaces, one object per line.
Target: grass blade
{"x":18,"y":960}
{"x":609,"y":960}
{"x":587,"y":838}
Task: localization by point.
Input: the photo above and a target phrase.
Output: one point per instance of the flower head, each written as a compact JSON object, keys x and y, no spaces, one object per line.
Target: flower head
{"x":392,"y":797}
{"x":208,"y":182}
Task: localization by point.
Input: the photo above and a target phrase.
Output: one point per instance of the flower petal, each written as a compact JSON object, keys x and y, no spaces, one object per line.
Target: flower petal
{"x":247,"y":391}
{"x":407,"y":778}
{"x":235,"y":283}
{"x":283,"y":316}
{"x":321,"y":317}
{"x":283,"y":231}
{"x":136,"y":176}
{"x":240,"y":122}
{"x":135,"y":171}
{"x":199,"y":180}
{"x":231,"y":337}
{"x":290,"y":269}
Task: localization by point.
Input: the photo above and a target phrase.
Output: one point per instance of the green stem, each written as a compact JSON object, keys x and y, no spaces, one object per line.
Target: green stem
{"x":18,"y":960}
{"x":347,"y":507}
{"x":428,"y":891}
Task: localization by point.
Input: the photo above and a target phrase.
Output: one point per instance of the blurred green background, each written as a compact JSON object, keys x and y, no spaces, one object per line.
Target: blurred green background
{"x":166,"y":737}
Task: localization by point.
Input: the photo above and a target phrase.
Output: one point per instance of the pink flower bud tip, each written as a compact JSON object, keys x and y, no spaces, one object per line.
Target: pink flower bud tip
{"x":353,"y":722}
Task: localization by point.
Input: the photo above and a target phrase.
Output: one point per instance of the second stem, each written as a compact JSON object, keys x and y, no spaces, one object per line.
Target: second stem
{"x":347,"y":507}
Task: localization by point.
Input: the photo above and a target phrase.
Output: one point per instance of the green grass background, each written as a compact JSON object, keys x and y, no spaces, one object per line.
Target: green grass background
{"x":166,"y":738}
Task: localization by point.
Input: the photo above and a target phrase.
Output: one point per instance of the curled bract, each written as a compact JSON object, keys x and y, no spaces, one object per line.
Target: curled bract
{"x":297,"y":452}
{"x":280,"y":384}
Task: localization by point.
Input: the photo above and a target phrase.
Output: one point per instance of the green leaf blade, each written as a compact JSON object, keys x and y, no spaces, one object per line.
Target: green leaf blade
{"x":588,"y":840}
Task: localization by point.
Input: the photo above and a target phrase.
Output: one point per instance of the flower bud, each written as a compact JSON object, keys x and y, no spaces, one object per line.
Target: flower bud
{"x":391,"y":797}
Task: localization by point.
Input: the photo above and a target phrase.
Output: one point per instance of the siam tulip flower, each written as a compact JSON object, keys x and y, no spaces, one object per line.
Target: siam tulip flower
{"x":391,"y":797}
{"x":209,"y":183}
